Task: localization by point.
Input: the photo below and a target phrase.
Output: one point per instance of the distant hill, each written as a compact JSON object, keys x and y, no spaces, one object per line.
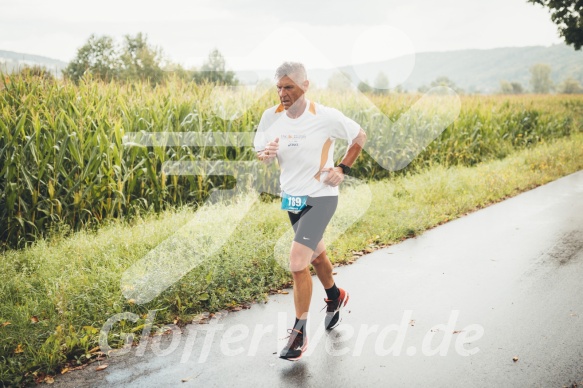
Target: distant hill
{"x":474,"y":71}
{"x":481,"y":70}
{"x":11,"y":61}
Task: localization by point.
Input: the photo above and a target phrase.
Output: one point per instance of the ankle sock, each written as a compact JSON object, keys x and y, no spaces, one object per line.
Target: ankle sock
{"x":300,"y":325}
{"x":333,"y":292}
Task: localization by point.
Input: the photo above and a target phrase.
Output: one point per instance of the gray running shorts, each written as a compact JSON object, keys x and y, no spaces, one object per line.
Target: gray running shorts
{"x":310,"y":223}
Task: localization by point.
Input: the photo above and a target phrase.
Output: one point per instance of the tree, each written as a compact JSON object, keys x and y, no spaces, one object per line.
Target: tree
{"x":568,"y":16}
{"x":98,"y":57}
{"x":140,"y":60}
{"x":517,"y":88}
{"x":214,"y":71}
{"x":339,"y":82}
{"x":364,"y":87}
{"x":443,"y":81}
{"x":381,"y":83}
{"x":400,"y":90}
{"x":570,"y":86}
{"x":540,"y":78}
{"x":423,"y":89}
{"x":176,"y":70}
{"x":505,"y":87}
{"x":446,"y":82}
{"x":511,"y":87}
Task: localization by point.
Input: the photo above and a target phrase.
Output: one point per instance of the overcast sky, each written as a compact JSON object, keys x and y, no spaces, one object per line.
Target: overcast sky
{"x":261,"y":33}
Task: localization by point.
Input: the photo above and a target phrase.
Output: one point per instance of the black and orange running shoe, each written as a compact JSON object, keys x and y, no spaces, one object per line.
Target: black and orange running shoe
{"x":333,"y":308}
{"x":296,"y":346}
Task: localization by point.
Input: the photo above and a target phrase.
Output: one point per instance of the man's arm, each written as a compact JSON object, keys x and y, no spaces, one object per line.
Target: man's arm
{"x":354,"y":150}
{"x":336,"y":175}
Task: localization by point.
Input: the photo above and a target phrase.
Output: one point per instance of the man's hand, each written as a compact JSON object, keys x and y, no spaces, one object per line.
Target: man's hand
{"x":334,"y":177}
{"x":270,"y":151}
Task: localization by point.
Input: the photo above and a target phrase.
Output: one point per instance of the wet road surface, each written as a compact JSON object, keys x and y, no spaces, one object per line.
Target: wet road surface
{"x":455,"y":306}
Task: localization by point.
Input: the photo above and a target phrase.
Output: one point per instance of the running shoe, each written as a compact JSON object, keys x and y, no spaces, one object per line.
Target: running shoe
{"x":333,"y":308}
{"x":296,"y":346}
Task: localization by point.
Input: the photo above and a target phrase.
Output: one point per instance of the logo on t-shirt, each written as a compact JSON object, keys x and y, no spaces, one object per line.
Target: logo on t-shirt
{"x":293,"y":140}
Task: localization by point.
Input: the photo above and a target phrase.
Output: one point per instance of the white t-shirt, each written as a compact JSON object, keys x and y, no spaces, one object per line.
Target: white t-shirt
{"x":306,"y":145}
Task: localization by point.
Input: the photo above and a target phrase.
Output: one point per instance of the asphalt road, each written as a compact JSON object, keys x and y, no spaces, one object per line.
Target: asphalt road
{"x":493,"y":299}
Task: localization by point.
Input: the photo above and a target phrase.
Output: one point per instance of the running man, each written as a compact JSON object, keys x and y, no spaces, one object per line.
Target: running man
{"x":301,"y":134}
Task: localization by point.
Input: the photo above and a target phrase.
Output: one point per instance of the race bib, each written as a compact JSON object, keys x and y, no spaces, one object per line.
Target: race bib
{"x":293,"y":203}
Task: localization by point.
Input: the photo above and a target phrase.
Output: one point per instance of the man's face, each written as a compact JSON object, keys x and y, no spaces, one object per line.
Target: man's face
{"x":289,"y":92}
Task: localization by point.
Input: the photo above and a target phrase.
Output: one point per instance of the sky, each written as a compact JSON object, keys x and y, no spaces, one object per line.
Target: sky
{"x":260,"y":34}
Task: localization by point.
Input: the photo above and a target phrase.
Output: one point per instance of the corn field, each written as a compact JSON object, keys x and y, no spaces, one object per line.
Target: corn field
{"x":63,"y":160}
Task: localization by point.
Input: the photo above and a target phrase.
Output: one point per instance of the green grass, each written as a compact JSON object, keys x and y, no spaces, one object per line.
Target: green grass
{"x":71,"y":284}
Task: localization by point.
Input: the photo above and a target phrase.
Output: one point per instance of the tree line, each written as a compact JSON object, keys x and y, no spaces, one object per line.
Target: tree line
{"x":136,"y":59}
{"x":541,"y":83}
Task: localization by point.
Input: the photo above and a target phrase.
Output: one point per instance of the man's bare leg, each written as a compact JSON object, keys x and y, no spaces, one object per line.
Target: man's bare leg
{"x":336,"y":298}
{"x":322,"y":265}
{"x":300,"y":257}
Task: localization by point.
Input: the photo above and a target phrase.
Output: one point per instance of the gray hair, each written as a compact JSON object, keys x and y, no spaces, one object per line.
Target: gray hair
{"x":289,"y":68}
